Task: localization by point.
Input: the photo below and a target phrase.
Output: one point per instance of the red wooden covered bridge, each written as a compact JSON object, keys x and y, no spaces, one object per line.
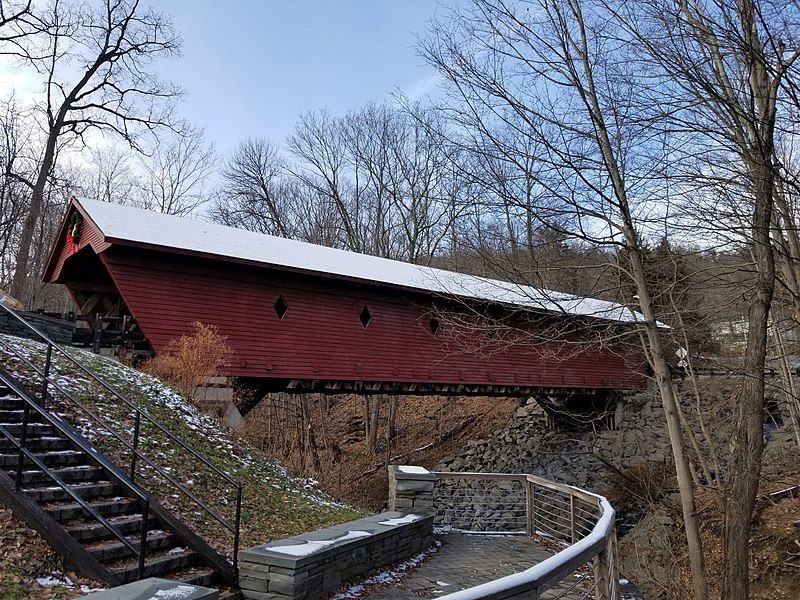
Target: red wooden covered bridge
{"x":304,"y":317}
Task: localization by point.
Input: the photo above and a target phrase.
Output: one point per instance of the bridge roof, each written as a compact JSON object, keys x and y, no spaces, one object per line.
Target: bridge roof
{"x":127,"y":225}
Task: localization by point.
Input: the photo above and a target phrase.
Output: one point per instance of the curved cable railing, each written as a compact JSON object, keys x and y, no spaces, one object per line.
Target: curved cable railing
{"x":575,"y":525}
{"x":141,"y":417}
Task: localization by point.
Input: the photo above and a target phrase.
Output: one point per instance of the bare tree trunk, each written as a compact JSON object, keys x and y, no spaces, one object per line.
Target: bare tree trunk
{"x":391,"y":430}
{"x":22,"y":270}
{"x":367,"y":419}
{"x":747,"y":439}
{"x":669,"y":401}
{"x":372,"y":440}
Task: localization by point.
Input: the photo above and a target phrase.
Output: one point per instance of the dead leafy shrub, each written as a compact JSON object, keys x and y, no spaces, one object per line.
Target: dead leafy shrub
{"x":641,"y":486}
{"x":192,"y":359}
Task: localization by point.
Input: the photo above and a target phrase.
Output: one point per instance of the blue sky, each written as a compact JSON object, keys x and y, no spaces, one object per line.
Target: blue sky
{"x":249,"y":68}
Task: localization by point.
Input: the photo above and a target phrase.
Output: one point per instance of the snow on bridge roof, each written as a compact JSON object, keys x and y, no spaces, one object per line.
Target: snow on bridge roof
{"x":125,"y":224}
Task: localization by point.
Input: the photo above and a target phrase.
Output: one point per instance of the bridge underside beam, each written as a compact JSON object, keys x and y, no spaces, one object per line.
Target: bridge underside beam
{"x":261,"y":387}
{"x":415,"y":388}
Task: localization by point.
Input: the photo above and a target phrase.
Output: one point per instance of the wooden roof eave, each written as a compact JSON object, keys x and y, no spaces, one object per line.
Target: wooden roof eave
{"x":48,"y":275}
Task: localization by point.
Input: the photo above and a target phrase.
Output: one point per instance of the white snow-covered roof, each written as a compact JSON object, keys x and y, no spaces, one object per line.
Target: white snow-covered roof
{"x":129,"y":224}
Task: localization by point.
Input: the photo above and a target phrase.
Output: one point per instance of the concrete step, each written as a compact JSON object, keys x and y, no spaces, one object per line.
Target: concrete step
{"x":65,"y":511}
{"x":67,"y":474}
{"x":56,"y":458}
{"x":158,"y":565}
{"x":198,"y":575}
{"x":53,"y":442}
{"x":10,"y":402}
{"x":16,"y":415}
{"x":33,"y":429}
{"x":53,"y":493}
{"x":113,"y":549}
{"x":92,"y":531}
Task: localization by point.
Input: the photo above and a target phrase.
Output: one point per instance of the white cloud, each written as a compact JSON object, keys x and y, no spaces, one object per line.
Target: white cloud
{"x":422,"y":87}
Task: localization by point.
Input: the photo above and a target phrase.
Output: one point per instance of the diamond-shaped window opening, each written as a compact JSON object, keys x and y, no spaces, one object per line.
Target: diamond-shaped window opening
{"x":280,"y":307}
{"x":365,"y":316}
{"x":433,"y":325}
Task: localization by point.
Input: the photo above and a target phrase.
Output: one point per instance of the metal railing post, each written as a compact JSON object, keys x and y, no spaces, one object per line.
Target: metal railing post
{"x":236,"y":532}
{"x":97,"y":334}
{"x":134,"y":452}
{"x":45,"y":381}
{"x":143,"y":538}
{"x":22,"y":441}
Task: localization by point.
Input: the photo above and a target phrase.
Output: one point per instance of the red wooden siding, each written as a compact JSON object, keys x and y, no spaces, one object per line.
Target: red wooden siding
{"x":321,"y":337}
{"x":90,"y":236}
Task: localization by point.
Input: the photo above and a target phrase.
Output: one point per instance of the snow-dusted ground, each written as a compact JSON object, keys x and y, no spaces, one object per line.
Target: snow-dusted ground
{"x":384,"y":578}
{"x":275,"y":504}
{"x":56,"y":579}
{"x":227,"y":450}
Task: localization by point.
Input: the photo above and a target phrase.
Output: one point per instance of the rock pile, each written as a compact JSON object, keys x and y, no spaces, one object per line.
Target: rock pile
{"x":530,"y":444}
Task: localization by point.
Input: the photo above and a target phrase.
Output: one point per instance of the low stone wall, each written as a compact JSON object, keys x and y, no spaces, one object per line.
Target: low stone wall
{"x":58,"y":330}
{"x":465,"y":504}
{"x":308,"y":566}
{"x":411,"y":489}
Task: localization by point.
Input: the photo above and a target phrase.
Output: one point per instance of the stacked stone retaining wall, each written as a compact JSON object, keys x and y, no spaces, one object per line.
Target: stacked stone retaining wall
{"x":58,"y":330}
{"x":310,"y":565}
{"x":585,"y":459}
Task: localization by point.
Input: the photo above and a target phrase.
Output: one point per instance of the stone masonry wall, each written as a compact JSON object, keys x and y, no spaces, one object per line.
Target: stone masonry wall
{"x":58,"y":330}
{"x":313,"y":564}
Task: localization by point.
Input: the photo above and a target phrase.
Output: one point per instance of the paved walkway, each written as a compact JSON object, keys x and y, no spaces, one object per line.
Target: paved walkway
{"x":463,"y":561}
{"x":466,"y":560}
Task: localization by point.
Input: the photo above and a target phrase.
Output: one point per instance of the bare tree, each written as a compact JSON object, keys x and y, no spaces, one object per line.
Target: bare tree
{"x":14,"y":196}
{"x":320,"y":145}
{"x":109,"y":176}
{"x":94,"y":63}
{"x":734,"y":69}
{"x":553,"y":73}
{"x":175,"y":177}
{"x":254,"y":193}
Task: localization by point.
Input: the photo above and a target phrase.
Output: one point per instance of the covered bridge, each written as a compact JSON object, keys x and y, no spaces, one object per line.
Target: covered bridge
{"x":304,"y":317}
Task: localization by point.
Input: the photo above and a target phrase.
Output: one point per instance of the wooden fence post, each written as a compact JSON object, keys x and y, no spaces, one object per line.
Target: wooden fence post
{"x":529,"y":507}
{"x":573,"y":536}
{"x":605,"y":573}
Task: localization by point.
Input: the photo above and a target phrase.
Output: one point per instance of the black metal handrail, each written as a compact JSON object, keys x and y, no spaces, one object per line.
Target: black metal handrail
{"x":140,"y":414}
{"x":139,"y":551}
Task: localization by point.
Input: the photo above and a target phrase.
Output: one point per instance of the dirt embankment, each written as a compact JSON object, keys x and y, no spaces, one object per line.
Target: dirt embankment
{"x":325,"y":438}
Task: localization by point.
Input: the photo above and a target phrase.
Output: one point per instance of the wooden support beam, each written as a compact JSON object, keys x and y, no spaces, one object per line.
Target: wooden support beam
{"x":90,"y":304}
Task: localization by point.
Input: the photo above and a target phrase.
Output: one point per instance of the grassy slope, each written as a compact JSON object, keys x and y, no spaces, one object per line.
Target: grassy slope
{"x":275,"y":505}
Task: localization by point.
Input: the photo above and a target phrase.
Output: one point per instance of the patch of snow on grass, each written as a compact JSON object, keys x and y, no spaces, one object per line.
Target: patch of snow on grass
{"x":54,"y":579}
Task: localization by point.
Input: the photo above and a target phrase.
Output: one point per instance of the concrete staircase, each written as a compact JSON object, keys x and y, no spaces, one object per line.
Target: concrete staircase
{"x":87,"y":543}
